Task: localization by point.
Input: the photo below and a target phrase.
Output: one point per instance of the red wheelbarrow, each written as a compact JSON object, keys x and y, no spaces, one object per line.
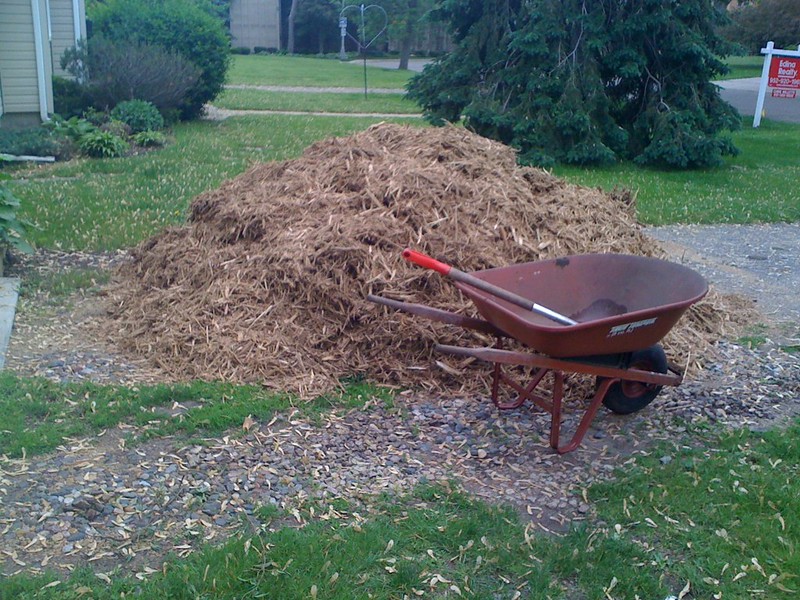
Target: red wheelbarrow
{"x":595,"y":314}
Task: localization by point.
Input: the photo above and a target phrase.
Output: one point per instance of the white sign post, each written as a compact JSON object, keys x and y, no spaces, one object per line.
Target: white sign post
{"x":783,"y":75}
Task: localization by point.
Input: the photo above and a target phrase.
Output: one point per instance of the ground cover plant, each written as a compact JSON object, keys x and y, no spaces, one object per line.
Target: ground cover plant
{"x":316,"y":102}
{"x":312,"y":72}
{"x":713,"y":516}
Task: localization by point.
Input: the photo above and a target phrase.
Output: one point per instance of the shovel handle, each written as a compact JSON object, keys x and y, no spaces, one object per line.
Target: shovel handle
{"x":425,"y":261}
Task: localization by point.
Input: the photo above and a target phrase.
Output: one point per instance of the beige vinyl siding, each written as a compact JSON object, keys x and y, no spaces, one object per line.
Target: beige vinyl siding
{"x":255,"y":23}
{"x":18,"y":74}
{"x":62,"y":22}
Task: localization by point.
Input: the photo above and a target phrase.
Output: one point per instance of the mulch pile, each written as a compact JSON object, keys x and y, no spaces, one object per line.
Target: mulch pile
{"x":267,"y":281}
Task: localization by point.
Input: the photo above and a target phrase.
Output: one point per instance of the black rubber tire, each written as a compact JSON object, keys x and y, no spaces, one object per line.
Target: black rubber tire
{"x":626,"y":397}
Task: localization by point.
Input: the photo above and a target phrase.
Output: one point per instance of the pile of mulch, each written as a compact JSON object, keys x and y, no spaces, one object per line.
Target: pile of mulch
{"x":267,"y":281}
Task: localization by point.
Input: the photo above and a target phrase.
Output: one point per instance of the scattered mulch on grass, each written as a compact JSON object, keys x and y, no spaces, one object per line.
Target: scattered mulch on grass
{"x":267,"y":281}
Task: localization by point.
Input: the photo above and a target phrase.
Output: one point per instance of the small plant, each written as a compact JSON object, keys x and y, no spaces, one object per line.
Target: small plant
{"x":103,"y":144}
{"x":118,"y":128}
{"x":73,"y":127}
{"x":96,"y":117}
{"x":139,"y":115}
{"x":12,"y":228}
{"x":149,"y":139}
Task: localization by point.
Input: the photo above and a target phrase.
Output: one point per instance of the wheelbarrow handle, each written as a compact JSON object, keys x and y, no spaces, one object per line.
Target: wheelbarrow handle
{"x":425,"y":261}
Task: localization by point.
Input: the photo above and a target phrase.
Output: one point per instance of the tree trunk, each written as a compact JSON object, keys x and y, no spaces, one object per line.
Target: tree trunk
{"x":408,"y":36}
{"x":290,"y":26}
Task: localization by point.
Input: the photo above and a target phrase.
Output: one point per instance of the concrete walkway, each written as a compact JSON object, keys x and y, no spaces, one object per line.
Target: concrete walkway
{"x":9,"y":290}
{"x":743,"y":94}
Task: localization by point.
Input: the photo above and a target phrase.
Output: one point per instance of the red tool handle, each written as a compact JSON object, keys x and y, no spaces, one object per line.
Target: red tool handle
{"x":426,"y":262}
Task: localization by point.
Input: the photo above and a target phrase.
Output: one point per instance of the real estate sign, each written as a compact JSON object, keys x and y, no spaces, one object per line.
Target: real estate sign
{"x":784,"y":73}
{"x":781,"y":72}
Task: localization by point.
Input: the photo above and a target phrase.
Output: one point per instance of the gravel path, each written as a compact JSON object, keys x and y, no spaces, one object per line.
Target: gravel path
{"x":104,"y":501}
{"x":761,"y":262}
{"x":315,"y":90}
{"x":215,"y":113}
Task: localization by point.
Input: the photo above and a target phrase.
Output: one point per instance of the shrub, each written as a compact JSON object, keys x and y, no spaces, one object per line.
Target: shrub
{"x":139,"y":115}
{"x":32,"y":142}
{"x":96,"y":117}
{"x":179,"y":26}
{"x":265,"y":50}
{"x":240,"y":50}
{"x":149,"y":139}
{"x":70,"y":98}
{"x":755,"y":24}
{"x":128,"y":70}
{"x":103,"y":144}
{"x":118,"y":128}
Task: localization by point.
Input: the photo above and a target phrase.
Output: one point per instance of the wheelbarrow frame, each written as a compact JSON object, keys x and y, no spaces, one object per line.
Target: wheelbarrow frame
{"x":610,"y":369}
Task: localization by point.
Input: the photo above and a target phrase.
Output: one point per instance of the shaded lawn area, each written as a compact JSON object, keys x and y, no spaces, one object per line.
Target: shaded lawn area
{"x":310,"y":72}
{"x":236,"y":99}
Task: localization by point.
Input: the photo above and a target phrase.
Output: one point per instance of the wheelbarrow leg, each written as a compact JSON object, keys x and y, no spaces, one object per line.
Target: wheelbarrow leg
{"x":523,"y":393}
{"x":586,"y":420}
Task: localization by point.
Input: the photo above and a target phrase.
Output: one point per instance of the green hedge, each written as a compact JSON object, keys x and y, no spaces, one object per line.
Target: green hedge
{"x":177,"y":25}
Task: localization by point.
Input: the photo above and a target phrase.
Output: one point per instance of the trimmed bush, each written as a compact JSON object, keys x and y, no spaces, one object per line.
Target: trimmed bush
{"x":139,"y":115}
{"x":179,"y":26}
{"x":240,"y":50}
{"x":103,"y":144}
{"x":126,"y":70}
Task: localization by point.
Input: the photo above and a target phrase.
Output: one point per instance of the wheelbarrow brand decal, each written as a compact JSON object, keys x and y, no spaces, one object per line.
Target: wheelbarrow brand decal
{"x":630,"y":327}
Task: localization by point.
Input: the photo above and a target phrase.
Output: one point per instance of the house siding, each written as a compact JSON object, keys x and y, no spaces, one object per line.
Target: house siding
{"x":255,"y":23}
{"x":62,"y":23}
{"x":18,"y":73}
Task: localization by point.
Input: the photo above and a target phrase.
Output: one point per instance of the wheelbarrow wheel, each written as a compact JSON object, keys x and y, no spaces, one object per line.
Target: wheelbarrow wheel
{"x":626,"y":397}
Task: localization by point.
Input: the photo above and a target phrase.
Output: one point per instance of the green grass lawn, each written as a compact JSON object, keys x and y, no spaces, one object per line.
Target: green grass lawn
{"x":744,"y":66}
{"x":117,"y":203}
{"x":316,"y":102}
{"x":38,"y":414}
{"x":758,"y":185}
{"x":312,"y":72}
{"x":105,"y":204}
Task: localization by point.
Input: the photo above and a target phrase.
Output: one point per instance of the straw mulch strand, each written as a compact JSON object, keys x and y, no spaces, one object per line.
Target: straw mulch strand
{"x":267,"y":281}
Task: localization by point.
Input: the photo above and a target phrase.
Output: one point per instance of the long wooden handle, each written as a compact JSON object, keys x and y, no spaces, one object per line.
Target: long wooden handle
{"x":425,"y":261}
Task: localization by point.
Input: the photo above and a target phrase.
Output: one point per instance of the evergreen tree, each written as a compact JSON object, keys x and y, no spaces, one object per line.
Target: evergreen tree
{"x":585,"y":81}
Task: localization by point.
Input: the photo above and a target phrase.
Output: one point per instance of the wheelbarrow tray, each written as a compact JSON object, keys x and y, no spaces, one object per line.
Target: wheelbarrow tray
{"x":644,"y":296}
